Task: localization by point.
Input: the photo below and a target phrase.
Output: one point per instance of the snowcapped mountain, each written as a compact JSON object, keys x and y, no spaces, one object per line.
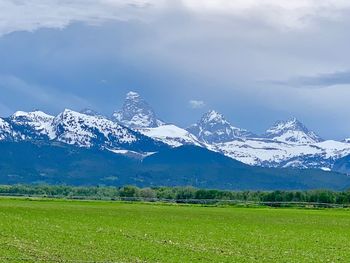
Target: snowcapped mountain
{"x":137,"y":113}
{"x":273,"y":153}
{"x":286,"y":144}
{"x":136,"y":131}
{"x":291,"y":131}
{"x":214,"y":128}
{"x":32,"y":125}
{"x":96,"y":131}
{"x":74,"y":128}
{"x":85,"y":130}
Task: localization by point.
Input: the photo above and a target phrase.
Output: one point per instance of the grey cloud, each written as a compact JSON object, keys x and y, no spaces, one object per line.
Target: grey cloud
{"x":324,"y":80}
{"x":181,"y":53}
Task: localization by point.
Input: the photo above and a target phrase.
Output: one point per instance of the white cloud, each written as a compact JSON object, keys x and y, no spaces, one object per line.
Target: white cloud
{"x":294,"y":14}
{"x":196,"y":104}
{"x":29,"y":15}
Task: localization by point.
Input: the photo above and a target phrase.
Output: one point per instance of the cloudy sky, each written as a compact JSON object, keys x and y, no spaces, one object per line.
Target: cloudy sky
{"x":255,"y":61}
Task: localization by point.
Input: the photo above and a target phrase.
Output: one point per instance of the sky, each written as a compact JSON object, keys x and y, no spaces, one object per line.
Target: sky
{"x":255,"y":61}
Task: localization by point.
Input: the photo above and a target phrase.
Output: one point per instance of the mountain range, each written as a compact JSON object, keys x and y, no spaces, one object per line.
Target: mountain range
{"x":136,"y":131}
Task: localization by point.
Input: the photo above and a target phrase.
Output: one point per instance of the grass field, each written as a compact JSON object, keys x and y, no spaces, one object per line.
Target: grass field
{"x":84,"y":231}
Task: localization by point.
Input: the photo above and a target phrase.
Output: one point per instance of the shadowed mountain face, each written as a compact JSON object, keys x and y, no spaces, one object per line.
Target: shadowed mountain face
{"x":57,"y":163}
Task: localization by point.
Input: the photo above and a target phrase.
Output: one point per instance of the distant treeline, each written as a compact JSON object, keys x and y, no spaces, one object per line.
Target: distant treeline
{"x":175,"y":193}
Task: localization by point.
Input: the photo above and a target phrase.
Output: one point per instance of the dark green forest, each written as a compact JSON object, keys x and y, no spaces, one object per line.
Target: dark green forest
{"x":179,"y":194}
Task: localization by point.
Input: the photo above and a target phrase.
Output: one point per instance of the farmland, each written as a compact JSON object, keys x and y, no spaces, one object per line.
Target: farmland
{"x":39,"y":230}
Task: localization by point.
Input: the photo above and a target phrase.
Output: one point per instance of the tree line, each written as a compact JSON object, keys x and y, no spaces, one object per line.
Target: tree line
{"x":174,"y":193}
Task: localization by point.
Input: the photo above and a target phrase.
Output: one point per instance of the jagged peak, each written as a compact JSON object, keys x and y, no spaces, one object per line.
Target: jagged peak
{"x":290,"y":124}
{"x":213,"y":115}
{"x":214,"y":128}
{"x":292,"y":130}
{"x":137,"y":113}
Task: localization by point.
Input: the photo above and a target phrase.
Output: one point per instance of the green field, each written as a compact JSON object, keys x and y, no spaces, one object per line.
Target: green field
{"x":84,"y":231}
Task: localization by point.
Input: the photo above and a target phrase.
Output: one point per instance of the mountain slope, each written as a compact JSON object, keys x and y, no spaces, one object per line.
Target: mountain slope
{"x":171,"y":135}
{"x":56,"y":163}
{"x":199,"y":167}
{"x":5,"y":130}
{"x":342,"y":165}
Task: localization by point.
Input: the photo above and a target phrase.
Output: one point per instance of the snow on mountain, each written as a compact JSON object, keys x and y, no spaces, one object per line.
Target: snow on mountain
{"x":273,"y":153}
{"x":5,"y":130}
{"x":214,"y":128}
{"x":137,"y":113}
{"x":32,"y":125}
{"x":74,"y":128}
{"x":291,"y":131}
{"x":96,"y":131}
{"x":171,"y":135}
{"x":85,"y":130}
{"x":286,"y":144}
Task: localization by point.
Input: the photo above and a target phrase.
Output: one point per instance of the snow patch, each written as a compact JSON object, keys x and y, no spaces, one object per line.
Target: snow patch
{"x":171,"y":135}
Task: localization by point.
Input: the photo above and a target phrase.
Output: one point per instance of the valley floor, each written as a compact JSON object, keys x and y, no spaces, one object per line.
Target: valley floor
{"x":97,"y":231}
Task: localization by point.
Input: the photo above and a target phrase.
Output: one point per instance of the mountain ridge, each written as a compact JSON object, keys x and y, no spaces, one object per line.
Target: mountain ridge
{"x":140,"y":132}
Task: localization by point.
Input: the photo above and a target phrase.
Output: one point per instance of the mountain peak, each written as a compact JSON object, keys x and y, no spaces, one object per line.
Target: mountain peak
{"x":213,"y":116}
{"x":214,"y":128}
{"x":292,"y":130}
{"x":132,"y":95}
{"x":34,"y":124}
{"x":137,"y":113}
